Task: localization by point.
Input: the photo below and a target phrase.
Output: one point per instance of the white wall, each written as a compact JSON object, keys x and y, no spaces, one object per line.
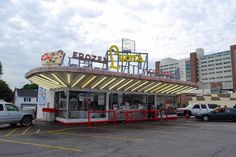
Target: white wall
{"x":49,"y":103}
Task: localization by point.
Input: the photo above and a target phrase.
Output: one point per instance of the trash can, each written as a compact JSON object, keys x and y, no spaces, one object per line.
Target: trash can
{"x":49,"y":114}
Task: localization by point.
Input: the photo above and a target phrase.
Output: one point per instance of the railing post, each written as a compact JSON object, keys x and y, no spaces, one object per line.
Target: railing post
{"x":126,"y":117}
{"x":89,"y":119}
{"x":114,"y":117}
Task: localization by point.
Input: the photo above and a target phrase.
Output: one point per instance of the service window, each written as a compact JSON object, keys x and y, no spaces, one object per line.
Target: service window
{"x":196,"y":106}
{"x":11,"y":107}
{"x":203,"y":106}
{"x":1,"y":107}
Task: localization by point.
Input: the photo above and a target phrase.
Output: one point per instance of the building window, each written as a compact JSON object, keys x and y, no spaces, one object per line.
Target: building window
{"x":227,"y":76}
{"x":227,"y":62}
{"x":211,"y":69}
{"x":210,"y":61}
{"x":219,"y":67}
{"x":218,"y":63}
{"x":219,"y":59}
{"x":211,"y":65}
{"x":27,"y":99}
{"x":227,"y":71}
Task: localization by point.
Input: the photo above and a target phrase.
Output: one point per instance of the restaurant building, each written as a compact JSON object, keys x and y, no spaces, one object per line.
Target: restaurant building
{"x":119,"y":86}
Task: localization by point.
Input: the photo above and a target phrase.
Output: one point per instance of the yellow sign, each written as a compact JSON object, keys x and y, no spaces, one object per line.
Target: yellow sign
{"x":123,"y":58}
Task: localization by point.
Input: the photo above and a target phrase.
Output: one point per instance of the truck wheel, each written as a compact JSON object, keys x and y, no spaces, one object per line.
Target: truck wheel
{"x":26,"y":121}
{"x":205,"y":118}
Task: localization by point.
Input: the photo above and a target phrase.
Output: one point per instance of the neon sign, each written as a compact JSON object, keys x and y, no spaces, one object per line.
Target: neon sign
{"x":122,"y":57}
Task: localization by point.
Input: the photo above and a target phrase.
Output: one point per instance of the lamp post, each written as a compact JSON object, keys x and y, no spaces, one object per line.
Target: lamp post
{"x":202,"y":87}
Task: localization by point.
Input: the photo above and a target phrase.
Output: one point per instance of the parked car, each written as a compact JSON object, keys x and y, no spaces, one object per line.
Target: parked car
{"x":10,"y":114}
{"x":196,"y":109}
{"x":227,"y":114}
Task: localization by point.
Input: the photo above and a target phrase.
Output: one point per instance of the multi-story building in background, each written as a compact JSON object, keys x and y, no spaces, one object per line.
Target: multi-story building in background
{"x":214,"y":71}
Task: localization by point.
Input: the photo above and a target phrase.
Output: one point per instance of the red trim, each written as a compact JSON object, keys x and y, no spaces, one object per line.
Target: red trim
{"x":49,"y":110}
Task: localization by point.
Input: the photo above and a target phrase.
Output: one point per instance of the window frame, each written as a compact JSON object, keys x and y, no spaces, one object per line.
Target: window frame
{"x":196,"y":105}
{"x":7,"y":109}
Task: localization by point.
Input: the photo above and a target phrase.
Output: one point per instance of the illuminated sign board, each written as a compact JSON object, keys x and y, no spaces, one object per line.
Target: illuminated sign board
{"x":88,"y":57}
{"x":161,"y":73}
{"x":53,"y":58}
{"x":129,"y":57}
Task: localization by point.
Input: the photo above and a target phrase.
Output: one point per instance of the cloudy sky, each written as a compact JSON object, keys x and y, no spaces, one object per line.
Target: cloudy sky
{"x":163,"y":28}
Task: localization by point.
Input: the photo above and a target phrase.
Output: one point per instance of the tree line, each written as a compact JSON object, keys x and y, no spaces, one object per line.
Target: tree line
{"x":6,"y":93}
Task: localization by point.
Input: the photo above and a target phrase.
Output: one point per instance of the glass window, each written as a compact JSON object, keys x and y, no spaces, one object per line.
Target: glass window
{"x":196,"y":106}
{"x":1,"y":107}
{"x":212,"y":106}
{"x":27,"y":99}
{"x":81,"y":102}
{"x":11,"y":107}
{"x":203,"y":106}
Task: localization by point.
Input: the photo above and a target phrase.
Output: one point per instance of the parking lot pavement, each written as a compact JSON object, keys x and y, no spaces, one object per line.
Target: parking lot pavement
{"x":151,"y":139}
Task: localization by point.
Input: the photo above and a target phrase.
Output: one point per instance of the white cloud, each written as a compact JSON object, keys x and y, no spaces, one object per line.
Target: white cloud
{"x":163,"y":28}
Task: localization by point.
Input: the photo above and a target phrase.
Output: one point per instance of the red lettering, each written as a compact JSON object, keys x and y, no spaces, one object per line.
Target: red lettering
{"x":81,"y":56}
{"x":87,"y":57}
{"x":93,"y":57}
{"x":99,"y":59}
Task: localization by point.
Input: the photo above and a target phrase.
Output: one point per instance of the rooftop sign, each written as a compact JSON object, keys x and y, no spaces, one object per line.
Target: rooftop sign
{"x":53,"y":58}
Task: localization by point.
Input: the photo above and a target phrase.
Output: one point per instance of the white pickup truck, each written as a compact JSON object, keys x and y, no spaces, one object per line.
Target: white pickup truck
{"x":196,"y":109}
{"x":10,"y":114}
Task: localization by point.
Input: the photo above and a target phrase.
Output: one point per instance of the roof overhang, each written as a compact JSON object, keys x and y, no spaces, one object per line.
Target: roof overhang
{"x":93,"y":79}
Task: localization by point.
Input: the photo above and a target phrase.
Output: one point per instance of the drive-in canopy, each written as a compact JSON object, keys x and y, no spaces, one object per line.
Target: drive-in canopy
{"x":94,"y":79}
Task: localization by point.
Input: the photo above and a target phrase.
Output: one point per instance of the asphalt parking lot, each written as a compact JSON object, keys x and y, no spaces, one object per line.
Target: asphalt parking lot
{"x":176,"y":138}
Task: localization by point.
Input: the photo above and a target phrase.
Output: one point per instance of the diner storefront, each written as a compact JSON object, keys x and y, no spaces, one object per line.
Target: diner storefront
{"x":81,"y":94}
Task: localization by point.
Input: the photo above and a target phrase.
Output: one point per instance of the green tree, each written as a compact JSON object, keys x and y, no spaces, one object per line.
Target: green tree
{"x":5,"y":92}
{"x":0,"y":69}
{"x":30,"y":86}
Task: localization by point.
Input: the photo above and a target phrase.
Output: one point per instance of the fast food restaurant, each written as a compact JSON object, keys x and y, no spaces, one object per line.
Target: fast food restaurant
{"x":118,"y":86}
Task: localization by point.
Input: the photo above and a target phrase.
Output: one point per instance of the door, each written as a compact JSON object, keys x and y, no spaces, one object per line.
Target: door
{"x":219,"y":116}
{"x":203,"y":109}
{"x":13,"y":113}
{"x":230,"y":114}
{"x":195,"y":110}
{"x":3,"y":114}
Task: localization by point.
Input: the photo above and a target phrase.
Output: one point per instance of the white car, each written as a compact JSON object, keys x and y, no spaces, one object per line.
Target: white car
{"x":196,"y":109}
{"x":10,"y":114}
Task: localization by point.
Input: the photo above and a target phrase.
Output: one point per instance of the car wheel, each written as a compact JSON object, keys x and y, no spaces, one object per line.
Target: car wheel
{"x":26,"y":121}
{"x":13,"y":124}
{"x":205,"y":118}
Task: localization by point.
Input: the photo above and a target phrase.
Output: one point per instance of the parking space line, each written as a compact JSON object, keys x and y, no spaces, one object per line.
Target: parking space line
{"x":97,"y":136}
{"x":26,"y":130}
{"x":41,"y":132}
{"x":11,"y":132}
{"x":42,"y":145}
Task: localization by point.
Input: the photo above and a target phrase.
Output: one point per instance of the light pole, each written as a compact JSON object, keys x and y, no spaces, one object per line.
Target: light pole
{"x":202,"y":87}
